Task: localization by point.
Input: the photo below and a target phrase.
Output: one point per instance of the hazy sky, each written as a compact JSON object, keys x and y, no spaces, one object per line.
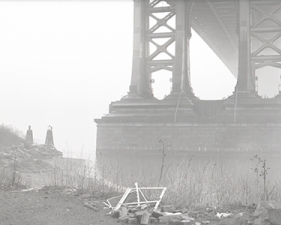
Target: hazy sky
{"x":63,"y":62}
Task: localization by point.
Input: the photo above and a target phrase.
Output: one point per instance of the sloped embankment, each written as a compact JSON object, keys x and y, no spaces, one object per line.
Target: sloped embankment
{"x":28,"y":158}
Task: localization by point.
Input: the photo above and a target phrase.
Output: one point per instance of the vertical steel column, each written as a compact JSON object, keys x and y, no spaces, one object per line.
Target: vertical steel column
{"x":181,"y":76}
{"x":244,"y":81}
{"x":180,"y":50}
{"x":145,"y":62}
{"x":186,"y":87}
{"x":139,"y":78}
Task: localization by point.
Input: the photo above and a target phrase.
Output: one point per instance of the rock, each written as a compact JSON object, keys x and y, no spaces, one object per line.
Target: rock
{"x":174,"y":222}
{"x":115,"y":214}
{"x":145,"y":218}
{"x":123,"y":211}
{"x":153,"y":220}
{"x":185,"y":222}
{"x":268,"y":213}
{"x":138,"y":218}
{"x":208,"y":209}
{"x":140,"y":212}
{"x":186,"y":217}
{"x":132,"y":221}
{"x":131,"y":215}
{"x":144,"y":206}
{"x":156,"y":214}
{"x":133,"y":210}
{"x":275,"y":216}
{"x":123,"y":219}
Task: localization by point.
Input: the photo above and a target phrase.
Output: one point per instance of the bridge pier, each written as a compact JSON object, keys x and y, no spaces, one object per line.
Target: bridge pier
{"x":181,"y":119}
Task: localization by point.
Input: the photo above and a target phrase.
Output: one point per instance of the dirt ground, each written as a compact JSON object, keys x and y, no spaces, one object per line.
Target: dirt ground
{"x":57,"y":206}
{"x":49,"y":207}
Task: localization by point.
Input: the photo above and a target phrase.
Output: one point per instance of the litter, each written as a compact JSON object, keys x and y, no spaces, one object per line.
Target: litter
{"x":134,"y":197}
{"x":223,"y":215}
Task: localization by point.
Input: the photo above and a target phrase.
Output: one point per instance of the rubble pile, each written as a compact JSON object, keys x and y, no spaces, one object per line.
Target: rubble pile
{"x":32,"y":158}
{"x":169,"y":215}
{"x":134,"y":207}
{"x":144,"y":214}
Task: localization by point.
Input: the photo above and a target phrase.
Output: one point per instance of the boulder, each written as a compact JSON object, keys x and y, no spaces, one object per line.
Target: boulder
{"x":275,"y":216}
{"x":268,"y":213}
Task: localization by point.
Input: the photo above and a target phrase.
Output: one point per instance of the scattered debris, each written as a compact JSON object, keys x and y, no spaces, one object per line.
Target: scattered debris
{"x":92,"y":206}
{"x":223,"y":215}
{"x":133,"y":207}
{"x":134,"y":197}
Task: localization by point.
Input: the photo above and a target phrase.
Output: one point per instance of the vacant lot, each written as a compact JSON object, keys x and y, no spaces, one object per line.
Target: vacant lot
{"x":49,"y":207}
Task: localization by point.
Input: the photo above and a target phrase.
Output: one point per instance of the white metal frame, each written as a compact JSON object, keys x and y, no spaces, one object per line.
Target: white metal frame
{"x":138,"y":202}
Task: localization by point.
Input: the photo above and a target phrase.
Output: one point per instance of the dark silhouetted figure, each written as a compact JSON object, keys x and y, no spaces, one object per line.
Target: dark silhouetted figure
{"x":49,"y":137}
{"x":29,"y":136}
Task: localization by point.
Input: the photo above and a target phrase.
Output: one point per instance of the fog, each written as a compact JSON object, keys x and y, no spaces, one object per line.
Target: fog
{"x":63,"y":62}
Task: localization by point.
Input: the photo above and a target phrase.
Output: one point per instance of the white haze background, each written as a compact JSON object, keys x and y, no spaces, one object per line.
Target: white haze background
{"x":63,"y":62}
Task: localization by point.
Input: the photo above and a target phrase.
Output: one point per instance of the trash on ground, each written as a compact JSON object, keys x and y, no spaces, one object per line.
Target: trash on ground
{"x":223,"y":215}
{"x":133,"y":207}
{"x":135,"y":197}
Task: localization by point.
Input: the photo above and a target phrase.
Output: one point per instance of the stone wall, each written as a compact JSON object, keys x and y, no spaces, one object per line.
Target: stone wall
{"x":182,"y":136}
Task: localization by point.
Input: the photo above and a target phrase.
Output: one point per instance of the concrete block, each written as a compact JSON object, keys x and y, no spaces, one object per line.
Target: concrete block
{"x":123,"y":219}
{"x":174,"y":222}
{"x":123,"y":211}
{"x":132,"y":220}
{"x":144,"y":218}
{"x":157,"y":214}
{"x":153,"y":220}
{"x":115,"y":214}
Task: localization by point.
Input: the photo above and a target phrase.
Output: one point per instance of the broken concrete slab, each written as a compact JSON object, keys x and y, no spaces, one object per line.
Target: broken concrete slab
{"x":267,"y":213}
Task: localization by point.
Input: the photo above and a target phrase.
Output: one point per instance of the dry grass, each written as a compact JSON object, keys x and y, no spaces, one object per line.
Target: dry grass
{"x":207,"y":185}
{"x":81,"y":175}
{"x":215,"y":186}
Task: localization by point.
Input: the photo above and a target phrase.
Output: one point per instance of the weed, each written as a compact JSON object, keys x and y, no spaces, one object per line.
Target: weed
{"x":10,"y":177}
{"x":261,"y":170}
{"x":163,"y":160}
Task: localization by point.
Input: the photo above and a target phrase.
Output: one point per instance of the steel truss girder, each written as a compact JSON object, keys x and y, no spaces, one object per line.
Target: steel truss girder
{"x":258,"y":57}
{"x":252,"y":23}
{"x":151,"y":34}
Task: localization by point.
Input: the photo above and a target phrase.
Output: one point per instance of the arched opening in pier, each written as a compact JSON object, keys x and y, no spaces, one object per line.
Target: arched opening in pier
{"x":209,"y":77}
{"x":268,"y":81}
{"x":161,"y":83}
{"x":267,"y":73}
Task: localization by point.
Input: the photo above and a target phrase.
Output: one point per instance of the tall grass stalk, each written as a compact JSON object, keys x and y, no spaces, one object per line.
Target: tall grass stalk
{"x":188,"y":184}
